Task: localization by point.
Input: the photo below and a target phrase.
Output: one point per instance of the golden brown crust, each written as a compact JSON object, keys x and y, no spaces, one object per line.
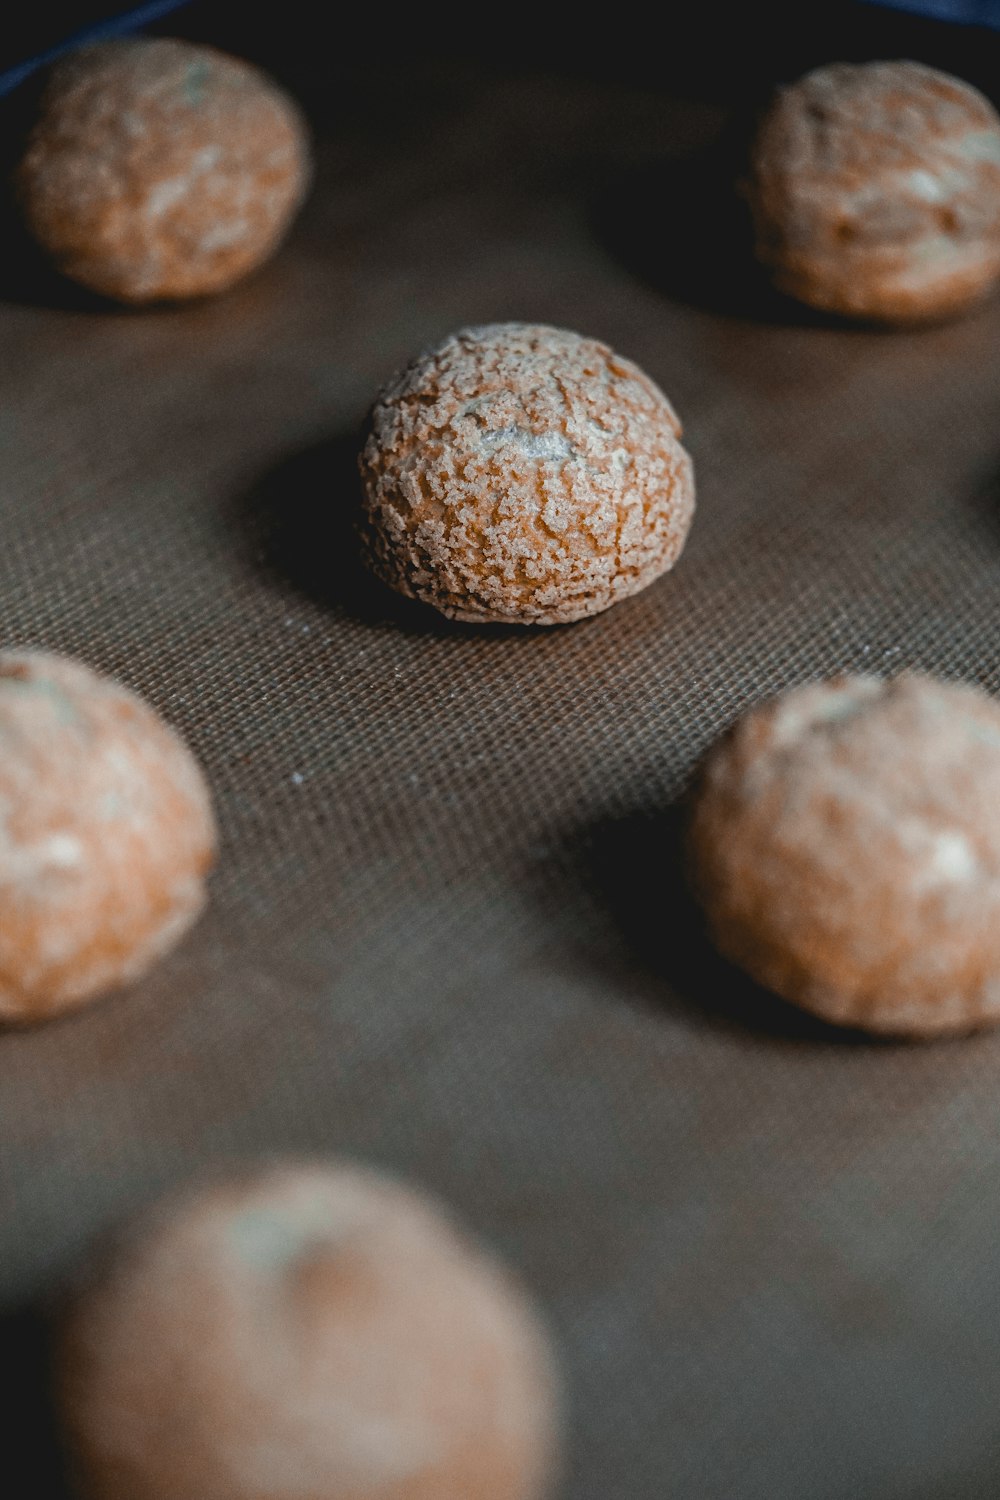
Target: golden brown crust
{"x":525,"y":475}
{"x":161,"y":170}
{"x":106,"y":835}
{"x":304,"y":1332}
{"x":876,"y":191}
{"x":845,"y":844}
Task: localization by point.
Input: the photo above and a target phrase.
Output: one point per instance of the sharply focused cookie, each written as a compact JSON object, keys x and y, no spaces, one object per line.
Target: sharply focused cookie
{"x":524,"y":475}
{"x":106,"y":835}
{"x":845,"y":845}
{"x":876,"y":191}
{"x":306,"y":1332}
{"x":161,"y":170}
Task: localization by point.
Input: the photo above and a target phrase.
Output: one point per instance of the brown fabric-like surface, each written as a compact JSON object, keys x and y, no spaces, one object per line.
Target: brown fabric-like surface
{"x":770,"y":1254}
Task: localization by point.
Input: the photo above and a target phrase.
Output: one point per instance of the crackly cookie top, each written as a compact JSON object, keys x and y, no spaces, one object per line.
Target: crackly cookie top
{"x":525,"y":474}
{"x":876,"y":189}
{"x":846,"y":845}
{"x":106,"y":834}
{"x":161,"y":169}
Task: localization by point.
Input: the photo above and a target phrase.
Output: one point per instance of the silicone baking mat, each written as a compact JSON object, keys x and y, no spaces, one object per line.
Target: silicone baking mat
{"x":447,"y":933}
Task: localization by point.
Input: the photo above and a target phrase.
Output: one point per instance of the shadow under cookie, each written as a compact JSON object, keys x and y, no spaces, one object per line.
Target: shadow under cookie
{"x":634,"y":867}
{"x":300,"y":523}
{"x":681,"y":225}
{"x":32,"y":1443}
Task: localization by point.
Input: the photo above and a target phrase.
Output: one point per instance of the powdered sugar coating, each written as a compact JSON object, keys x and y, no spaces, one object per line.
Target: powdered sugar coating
{"x":106,"y":834}
{"x":159,"y":169}
{"x":305,"y":1332}
{"x":524,"y":474}
{"x":876,"y":191}
{"x":845,"y":843}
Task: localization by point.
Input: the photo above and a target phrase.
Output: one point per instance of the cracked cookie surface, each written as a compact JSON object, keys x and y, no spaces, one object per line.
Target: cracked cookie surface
{"x":106,"y":835}
{"x":845,"y":845}
{"x":523,"y":474}
{"x":876,"y":191}
{"x":161,"y":170}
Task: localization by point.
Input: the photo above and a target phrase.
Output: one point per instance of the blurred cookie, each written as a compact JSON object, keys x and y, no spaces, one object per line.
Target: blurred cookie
{"x":845,"y":845}
{"x":525,"y":475}
{"x":160,"y":170}
{"x":876,"y":191}
{"x":306,"y":1332}
{"x":106,"y":835}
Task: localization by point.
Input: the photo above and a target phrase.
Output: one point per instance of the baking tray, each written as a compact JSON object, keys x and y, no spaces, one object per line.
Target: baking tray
{"x":447,"y":933}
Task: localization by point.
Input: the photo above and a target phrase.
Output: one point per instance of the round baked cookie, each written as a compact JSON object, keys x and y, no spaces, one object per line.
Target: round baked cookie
{"x":876,"y":191}
{"x":160,"y":170}
{"x":306,"y":1332}
{"x":845,"y":845}
{"x":106,"y":835}
{"x":524,"y":475}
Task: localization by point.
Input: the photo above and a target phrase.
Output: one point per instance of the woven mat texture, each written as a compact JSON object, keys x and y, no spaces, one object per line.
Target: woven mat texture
{"x":447,"y":933}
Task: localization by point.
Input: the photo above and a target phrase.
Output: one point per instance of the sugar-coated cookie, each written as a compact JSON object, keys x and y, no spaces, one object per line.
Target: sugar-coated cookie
{"x":876,"y":191}
{"x":524,"y":475}
{"x":161,"y":170}
{"x":106,"y":835}
{"x":306,"y":1332}
{"x":845,"y":844}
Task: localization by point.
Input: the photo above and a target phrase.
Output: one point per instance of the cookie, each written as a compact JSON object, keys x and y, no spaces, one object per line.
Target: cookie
{"x":161,"y":170}
{"x":305,"y":1331}
{"x":524,"y":475}
{"x":845,"y":846}
{"x":876,"y":191}
{"x":106,"y":835}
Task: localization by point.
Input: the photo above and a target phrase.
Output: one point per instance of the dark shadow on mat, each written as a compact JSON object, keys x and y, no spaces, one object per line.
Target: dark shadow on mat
{"x":32,"y":1445}
{"x":29,"y":280}
{"x":300,"y":521}
{"x":984,"y":506}
{"x":682,"y":225}
{"x":634,"y":868}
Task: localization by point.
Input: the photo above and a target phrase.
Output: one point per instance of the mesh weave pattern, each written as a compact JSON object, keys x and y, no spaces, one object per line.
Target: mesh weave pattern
{"x":446,"y":934}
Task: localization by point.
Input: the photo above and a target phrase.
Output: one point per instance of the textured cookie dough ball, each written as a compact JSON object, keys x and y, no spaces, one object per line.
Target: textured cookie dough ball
{"x":306,"y":1332}
{"x":106,"y":835}
{"x":160,"y":170}
{"x":845,"y":843}
{"x":525,"y":475}
{"x":876,"y":191}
